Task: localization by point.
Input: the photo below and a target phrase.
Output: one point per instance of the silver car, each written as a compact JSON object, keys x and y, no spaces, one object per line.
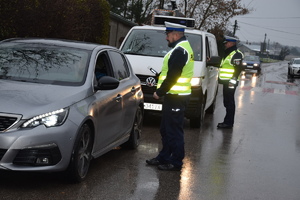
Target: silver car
{"x":294,"y":67}
{"x":63,"y":103}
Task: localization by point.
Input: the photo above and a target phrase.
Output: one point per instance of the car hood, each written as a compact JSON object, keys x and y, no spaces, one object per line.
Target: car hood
{"x":251,"y":62}
{"x":296,"y":65}
{"x":141,"y":64}
{"x":30,"y":99}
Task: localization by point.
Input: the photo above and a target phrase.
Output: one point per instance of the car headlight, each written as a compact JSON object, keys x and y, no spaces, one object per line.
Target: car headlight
{"x":255,"y":65}
{"x":195,"y":81}
{"x":50,"y":119}
{"x":244,"y":63}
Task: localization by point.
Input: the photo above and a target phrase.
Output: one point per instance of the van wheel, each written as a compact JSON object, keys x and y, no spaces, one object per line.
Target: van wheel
{"x":81,"y":155}
{"x":197,"y":121}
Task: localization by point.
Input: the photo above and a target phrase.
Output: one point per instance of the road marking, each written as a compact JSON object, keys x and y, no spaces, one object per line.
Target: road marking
{"x":284,"y":83}
{"x":270,"y":90}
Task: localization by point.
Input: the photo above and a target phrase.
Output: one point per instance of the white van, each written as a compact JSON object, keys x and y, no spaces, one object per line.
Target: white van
{"x":146,"y":46}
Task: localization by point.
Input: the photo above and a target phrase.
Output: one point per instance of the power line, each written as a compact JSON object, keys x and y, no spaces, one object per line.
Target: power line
{"x":269,"y":28}
{"x":244,"y":32}
{"x":271,"y":17}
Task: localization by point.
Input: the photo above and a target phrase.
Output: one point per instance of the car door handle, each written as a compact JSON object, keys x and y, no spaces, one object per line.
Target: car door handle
{"x":133,"y":90}
{"x":118,"y":98}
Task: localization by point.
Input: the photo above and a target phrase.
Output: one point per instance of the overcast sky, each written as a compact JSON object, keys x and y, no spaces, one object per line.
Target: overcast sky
{"x":279,"y":19}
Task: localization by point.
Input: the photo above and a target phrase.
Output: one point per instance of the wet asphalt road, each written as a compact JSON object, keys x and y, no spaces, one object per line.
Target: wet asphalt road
{"x":259,"y":159}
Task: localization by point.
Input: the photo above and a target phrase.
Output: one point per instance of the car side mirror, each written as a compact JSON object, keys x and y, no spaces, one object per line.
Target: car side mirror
{"x":107,"y":83}
{"x":214,"y":61}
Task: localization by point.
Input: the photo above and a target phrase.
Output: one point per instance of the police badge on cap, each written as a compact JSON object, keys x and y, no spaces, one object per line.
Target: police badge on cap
{"x":174,"y":27}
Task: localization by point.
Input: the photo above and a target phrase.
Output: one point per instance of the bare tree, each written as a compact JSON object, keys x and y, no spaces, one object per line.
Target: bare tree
{"x":211,"y":13}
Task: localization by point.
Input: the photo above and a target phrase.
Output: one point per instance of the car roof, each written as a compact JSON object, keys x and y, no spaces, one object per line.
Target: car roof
{"x":57,"y":42}
{"x":187,"y":30}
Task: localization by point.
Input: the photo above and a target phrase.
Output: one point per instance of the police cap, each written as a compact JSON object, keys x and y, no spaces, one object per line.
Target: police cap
{"x":230,"y":39}
{"x":174,"y":27}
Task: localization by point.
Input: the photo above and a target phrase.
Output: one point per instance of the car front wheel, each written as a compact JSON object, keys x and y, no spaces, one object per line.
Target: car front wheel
{"x":135,"y":133}
{"x":81,"y":155}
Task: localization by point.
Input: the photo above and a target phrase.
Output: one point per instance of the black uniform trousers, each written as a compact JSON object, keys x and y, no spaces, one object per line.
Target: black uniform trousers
{"x":229,"y":103}
{"x":171,"y":129}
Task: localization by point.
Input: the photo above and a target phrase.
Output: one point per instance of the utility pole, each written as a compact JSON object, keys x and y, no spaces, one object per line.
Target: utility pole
{"x":235,"y":26}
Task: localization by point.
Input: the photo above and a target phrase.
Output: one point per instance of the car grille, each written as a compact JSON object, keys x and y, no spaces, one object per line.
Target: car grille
{"x":30,"y":156}
{"x":7,"y":120}
{"x":145,"y":88}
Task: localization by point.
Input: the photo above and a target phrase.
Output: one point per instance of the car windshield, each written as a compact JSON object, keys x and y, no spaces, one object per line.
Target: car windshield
{"x":296,"y":61}
{"x":251,"y":58}
{"x":153,"y":43}
{"x":39,"y":63}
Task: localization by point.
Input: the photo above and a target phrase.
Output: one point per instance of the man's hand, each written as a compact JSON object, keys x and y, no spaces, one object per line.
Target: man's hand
{"x":232,"y":83}
{"x":155,"y":96}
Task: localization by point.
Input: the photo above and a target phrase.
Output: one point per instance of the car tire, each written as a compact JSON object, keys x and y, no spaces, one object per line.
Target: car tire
{"x":258,"y":70}
{"x":81,"y":155}
{"x":197,"y":121}
{"x":135,"y":134}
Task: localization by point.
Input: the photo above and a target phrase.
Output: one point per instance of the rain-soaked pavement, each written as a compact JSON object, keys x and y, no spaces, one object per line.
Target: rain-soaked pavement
{"x":258,"y":159}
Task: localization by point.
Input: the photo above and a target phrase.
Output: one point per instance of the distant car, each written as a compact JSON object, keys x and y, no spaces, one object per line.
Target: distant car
{"x":252,"y":63}
{"x":294,"y":67}
{"x":55,"y":115}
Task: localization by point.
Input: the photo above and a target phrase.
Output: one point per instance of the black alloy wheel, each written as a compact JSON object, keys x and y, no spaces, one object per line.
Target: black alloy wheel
{"x":81,"y":156}
{"x":135,"y":134}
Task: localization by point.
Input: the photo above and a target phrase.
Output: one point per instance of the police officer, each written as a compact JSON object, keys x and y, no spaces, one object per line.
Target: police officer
{"x":174,"y":85}
{"x":231,"y":67}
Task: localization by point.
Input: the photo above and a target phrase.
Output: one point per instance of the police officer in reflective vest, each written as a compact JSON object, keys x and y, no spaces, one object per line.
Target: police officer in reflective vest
{"x":174,"y":85}
{"x":231,"y":67}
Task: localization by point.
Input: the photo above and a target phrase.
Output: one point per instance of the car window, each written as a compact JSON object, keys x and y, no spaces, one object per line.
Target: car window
{"x":43,"y":64}
{"x":251,"y":58}
{"x":102,"y":67}
{"x":296,"y":62}
{"x":119,"y":65}
{"x":153,"y":43}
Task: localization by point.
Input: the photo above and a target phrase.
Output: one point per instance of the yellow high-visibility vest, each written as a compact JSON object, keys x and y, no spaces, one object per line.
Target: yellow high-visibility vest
{"x":183,"y":84}
{"x":227,"y":69}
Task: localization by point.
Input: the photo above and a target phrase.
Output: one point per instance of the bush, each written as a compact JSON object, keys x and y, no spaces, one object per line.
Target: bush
{"x":84,"y":20}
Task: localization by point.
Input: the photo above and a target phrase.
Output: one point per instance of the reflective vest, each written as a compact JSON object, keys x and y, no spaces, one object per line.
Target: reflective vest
{"x":183,"y":84}
{"x":227,"y":69}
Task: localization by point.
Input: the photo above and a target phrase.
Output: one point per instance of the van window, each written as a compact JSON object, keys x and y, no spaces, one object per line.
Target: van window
{"x":212,"y":46}
{"x":146,"y":42}
{"x":153,"y":43}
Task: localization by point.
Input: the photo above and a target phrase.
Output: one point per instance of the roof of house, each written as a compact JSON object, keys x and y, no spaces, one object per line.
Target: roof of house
{"x":122,"y":19}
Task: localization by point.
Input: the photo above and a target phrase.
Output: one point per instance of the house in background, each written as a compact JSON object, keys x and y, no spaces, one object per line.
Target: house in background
{"x":249,"y":49}
{"x":118,"y":28}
